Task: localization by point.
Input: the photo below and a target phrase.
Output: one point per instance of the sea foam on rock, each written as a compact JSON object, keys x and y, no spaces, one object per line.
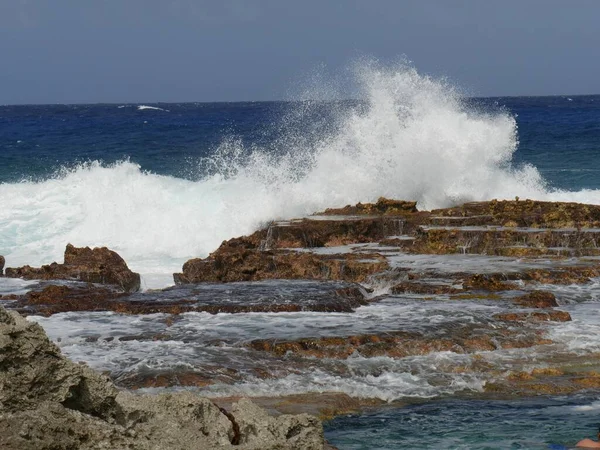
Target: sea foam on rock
{"x":97,"y":265}
{"x":48,"y":402}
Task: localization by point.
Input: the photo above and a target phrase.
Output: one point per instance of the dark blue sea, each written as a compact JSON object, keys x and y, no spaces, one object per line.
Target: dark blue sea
{"x":161,"y":183}
{"x":559,"y":135}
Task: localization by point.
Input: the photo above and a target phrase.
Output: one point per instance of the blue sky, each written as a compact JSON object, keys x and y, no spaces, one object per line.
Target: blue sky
{"x":76,"y":51}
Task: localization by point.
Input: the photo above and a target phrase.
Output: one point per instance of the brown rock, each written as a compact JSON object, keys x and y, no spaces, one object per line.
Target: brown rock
{"x":537,"y":299}
{"x":400,"y":344}
{"x":528,"y":213}
{"x":98,"y":265}
{"x":177,"y":300}
{"x":254,"y":265}
{"x":423,"y":288}
{"x":546,"y":316}
{"x":2,"y":262}
{"x":488,"y":282}
{"x":383,"y":206}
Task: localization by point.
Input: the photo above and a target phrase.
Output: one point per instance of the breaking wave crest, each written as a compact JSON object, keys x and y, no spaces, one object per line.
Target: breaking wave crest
{"x":409,"y":137}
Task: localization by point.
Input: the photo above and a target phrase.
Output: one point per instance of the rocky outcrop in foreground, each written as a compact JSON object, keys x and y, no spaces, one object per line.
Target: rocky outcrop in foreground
{"x":48,"y":402}
{"x":98,"y":265}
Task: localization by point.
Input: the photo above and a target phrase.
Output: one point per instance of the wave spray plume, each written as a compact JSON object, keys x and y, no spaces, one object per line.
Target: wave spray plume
{"x":409,"y":137}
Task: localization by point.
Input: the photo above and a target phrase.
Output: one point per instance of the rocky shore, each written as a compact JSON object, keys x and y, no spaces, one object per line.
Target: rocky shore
{"x":507,"y":265}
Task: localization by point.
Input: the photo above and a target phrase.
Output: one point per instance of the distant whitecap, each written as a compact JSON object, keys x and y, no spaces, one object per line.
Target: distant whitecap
{"x":144,"y":107}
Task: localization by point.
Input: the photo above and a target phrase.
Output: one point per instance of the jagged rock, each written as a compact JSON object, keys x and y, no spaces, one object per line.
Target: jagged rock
{"x":257,"y":428}
{"x":51,"y":426}
{"x":48,"y":402}
{"x":32,"y":370}
{"x":495,"y":228}
{"x":2,"y":262}
{"x":173,"y":419}
{"x":505,"y":241}
{"x":98,"y":265}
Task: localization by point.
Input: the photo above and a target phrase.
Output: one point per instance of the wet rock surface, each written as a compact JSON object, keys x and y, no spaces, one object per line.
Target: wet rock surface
{"x":403,"y":344}
{"x":98,"y":265}
{"x":49,"y":402}
{"x":211,"y":298}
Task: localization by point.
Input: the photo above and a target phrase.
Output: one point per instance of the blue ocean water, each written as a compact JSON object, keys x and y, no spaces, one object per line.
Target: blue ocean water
{"x":559,"y":135}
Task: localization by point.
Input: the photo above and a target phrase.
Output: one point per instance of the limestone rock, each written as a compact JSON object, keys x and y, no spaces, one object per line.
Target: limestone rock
{"x":51,"y":426}
{"x":32,"y":371}
{"x":98,"y":265}
{"x":49,"y":402}
{"x":175,"y":421}
{"x":258,"y":430}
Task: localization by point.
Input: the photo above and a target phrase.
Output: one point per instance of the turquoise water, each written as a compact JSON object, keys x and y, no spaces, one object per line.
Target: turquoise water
{"x":471,"y":424}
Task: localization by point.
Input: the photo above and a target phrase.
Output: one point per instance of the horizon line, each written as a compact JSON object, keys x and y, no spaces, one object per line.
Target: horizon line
{"x":187,"y":102}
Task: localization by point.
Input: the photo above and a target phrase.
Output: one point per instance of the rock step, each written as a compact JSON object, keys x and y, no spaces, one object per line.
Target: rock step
{"x":505,"y":241}
{"x":331,"y":232}
{"x":527,"y":213}
{"x":211,"y":298}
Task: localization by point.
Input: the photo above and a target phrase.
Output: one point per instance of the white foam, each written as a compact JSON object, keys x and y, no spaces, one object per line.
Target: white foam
{"x":582,"y":334}
{"x":594,"y":406}
{"x":387,"y":386}
{"x":144,"y":107}
{"x":414,"y":138}
{"x":15,"y":286}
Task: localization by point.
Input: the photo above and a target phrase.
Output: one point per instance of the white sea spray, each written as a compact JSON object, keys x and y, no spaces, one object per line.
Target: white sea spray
{"x":409,"y":137}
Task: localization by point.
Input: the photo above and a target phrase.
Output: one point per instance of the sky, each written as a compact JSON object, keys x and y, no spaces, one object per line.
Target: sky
{"x":111,"y":51}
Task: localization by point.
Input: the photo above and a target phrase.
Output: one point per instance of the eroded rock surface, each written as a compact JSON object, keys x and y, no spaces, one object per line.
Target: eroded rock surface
{"x":228,"y":265}
{"x":97,"y":265}
{"x":48,"y":402}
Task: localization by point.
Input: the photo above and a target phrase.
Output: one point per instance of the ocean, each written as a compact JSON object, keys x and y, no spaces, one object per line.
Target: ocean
{"x":162,"y":183}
